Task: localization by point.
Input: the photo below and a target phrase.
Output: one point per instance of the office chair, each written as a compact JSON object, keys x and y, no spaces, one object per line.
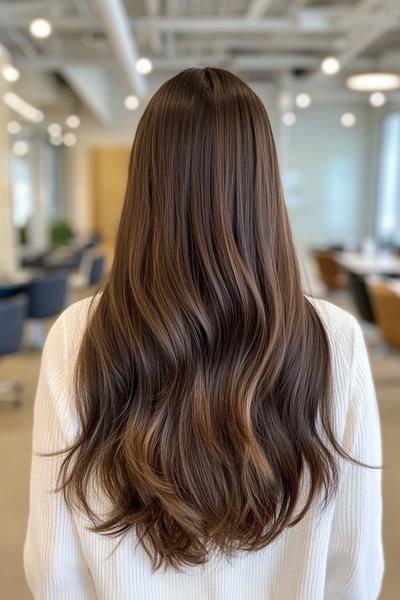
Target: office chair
{"x":12,"y":315}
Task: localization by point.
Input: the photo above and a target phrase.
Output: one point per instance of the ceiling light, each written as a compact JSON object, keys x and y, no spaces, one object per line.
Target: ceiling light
{"x":348,"y":119}
{"x":289,"y":119}
{"x":40,"y":28}
{"x":373,"y":82}
{"x":26,"y":110}
{"x":144,"y":66}
{"x":330,"y":65}
{"x":54,"y":129}
{"x":56,"y":139}
{"x":377,"y":99}
{"x":13,"y":127}
{"x":69,"y":139}
{"x":73,"y":121}
{"x":20,"y":148}
{"x":131,"y":102}
{"x":10,"y":73}
{"x":303,"y":100}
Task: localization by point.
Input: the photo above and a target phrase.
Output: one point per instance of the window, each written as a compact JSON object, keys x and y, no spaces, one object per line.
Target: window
{"x":21,"y":185}
{"x":388,"y":199}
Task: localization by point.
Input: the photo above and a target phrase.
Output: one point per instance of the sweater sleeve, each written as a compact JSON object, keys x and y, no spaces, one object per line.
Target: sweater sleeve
{"x":355,"y":558}
{"x":54,"y":563}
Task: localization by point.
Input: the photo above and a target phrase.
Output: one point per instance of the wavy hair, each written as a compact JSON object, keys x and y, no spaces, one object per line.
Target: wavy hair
{"x":202,"y":382}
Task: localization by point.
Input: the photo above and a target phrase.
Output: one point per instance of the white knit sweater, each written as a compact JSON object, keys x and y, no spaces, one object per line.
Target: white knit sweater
{"x":331,"y":554}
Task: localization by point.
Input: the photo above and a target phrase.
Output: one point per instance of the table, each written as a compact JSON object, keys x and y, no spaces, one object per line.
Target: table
{"x":369,"y":264}
{"x":393,"y":285}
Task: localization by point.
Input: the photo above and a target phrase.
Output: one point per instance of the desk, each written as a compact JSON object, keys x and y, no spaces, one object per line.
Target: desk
{"x":365,"y":264}
{"x":393,"y":285}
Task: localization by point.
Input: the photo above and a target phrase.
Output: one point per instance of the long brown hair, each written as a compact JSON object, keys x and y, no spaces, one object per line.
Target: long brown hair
{"x":203,"y":379}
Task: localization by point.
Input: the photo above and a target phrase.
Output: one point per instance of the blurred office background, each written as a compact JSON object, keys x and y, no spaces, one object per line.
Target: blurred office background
{"x":75,"y":76}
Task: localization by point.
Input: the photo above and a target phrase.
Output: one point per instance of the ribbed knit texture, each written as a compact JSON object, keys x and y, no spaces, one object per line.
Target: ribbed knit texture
{"x":333,"y":554}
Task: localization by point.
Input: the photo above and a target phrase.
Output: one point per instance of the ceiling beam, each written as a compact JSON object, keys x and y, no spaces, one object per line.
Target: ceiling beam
{"x":318,"y":21}
{"x":270,"y":43}
{"x":365,"y":9}
{"x":258,"y":8}
{"x":153,"y":10}
{"x":23,"y":42}
{"x":296,"y":5}
{"x":91,"y":85}
{"x":274,"y":62}
{"x":25,"y":10}
{"x":4,"y":55}
{"x":172,"y":8}
{"x":367,"y":6}
{"x":115,"y":22}
{"x":271,"y":62}
{"x":226,"y":24}
{"x":363,"y":38}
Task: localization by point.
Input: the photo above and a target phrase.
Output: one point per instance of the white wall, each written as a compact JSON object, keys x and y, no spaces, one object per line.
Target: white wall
{"x":7,"y":230}
{"x":326,"y":171}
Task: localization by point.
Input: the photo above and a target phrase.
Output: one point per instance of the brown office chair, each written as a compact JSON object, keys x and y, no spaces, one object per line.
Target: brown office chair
{"x":386,"y":304}
{"x":329,"y":271}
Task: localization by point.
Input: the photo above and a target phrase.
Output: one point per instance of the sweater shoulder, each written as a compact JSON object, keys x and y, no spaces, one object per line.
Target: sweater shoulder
{"x":340,"y":326}
{"x":77,"y":314}
{"x":68,"y":329}
{"x":58,"y":364}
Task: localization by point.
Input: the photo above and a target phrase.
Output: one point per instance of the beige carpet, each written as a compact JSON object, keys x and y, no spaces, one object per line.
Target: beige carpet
{"x":15,"y":440}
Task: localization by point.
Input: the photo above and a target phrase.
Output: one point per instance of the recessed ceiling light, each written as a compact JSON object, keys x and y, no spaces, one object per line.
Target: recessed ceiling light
{"x":20,"y":148}
{"x":303,"y":100}
{"x":131,"y":102}
{"x":10,"y":73}
{"x":348,"y":119}
{"x":54,"y":129}
{"x":13,"y":127}
{"x":56,"y":139}
{"x":69,"y":139}
{"x":144,"y":66}
{"x":73,"y":121}
{"x":377,"y":99}
{"x":373,"y":82}
{"x":289,"y":119}
{"x":330,"y":65}
{"x":40,"y":28}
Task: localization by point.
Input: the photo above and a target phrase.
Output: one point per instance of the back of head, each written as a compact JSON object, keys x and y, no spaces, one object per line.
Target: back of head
{"x":203,"y":373}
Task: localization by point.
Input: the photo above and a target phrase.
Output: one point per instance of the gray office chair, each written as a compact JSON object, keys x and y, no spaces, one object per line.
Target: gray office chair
{"x":90,"y":275}
{"x":12,"y":316}
{"x":96,"y":271}
{"x":362,"y":301}
{"x":47,"y":298}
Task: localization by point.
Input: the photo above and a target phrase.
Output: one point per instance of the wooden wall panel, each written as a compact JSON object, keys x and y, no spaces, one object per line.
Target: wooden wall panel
{"x":110,"y":170}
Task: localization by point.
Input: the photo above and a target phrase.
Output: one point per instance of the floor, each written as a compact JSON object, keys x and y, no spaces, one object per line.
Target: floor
{"x":15,"y":441}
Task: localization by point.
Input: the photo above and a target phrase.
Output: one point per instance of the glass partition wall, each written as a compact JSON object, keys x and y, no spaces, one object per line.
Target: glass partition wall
{"x":388,"y":189}
{"x":36,"y":188}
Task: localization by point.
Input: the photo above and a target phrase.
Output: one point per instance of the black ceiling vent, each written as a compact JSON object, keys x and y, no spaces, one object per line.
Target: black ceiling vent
{"x":299,"y":73}
{"x":60,"y":79}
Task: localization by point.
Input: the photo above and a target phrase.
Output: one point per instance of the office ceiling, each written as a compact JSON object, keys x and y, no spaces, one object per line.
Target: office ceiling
{"x":259,"y":35}
{"x":260,"y":39}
